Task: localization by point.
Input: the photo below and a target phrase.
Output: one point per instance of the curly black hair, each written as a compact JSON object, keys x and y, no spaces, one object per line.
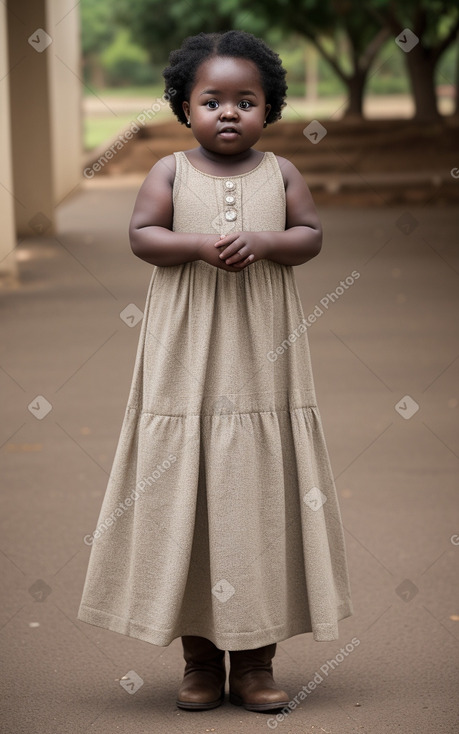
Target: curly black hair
{"x":184,"y":62}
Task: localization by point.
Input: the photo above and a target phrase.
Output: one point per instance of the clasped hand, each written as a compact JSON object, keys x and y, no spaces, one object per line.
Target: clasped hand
{"x":240,"y":249}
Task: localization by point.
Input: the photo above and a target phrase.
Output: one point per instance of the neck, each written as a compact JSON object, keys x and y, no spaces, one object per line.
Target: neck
{"x":220,"y":158}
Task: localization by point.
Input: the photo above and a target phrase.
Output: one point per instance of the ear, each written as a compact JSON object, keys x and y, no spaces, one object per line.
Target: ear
{"x":186,"y":109}
{"x":267,"y":110}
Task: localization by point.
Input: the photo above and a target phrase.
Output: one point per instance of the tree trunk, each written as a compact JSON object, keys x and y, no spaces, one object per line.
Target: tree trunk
{"x":94,"y":72}
{"x":356,"y":87}
{"x":421,"y":70}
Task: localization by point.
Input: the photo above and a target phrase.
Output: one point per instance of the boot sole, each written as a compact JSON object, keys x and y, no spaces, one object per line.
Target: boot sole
{"x":237,"y":701}
{"x":196,"y":706}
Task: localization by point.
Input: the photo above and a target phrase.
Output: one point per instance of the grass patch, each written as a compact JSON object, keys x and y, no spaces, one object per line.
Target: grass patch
{"x":153,"y":91}
{"x":98,"y":129}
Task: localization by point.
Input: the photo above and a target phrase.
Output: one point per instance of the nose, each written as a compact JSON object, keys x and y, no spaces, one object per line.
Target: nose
{"x":228,"y":112}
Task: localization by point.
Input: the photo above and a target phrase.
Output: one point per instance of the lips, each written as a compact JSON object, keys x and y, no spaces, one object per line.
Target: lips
{"x":228,"y":130}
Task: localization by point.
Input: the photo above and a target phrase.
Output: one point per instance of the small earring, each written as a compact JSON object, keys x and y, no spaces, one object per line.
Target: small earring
{"x":188,"y":123}
{"x":265,"y":124}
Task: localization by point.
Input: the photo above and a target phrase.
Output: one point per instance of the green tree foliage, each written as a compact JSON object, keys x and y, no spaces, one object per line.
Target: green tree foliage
{"x":159,"y":27}
{"x":348,"y":34}
{"x":125,"y":62}
{"x":98,"y":31}
{"x":342,"y":30}
{"x":98,"y":24}
{"x":110,"y":55}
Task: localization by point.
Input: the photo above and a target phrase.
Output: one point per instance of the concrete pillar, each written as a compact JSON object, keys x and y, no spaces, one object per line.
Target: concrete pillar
{"x":66,"y":96}
{"x":45,"y":108}
{"x":30,"y":116}
{"x":7,"y":233}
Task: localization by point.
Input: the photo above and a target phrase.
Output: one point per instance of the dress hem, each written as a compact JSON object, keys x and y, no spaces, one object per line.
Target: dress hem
{"x":324,"y":632}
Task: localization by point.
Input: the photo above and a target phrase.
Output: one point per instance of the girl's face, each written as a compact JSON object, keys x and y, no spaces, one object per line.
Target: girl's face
{"x":227,"y":105}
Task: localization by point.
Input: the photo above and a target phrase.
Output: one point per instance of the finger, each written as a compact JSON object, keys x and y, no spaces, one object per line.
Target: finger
{"x":236,"y":258}
{"x":226,"y":239}
{"x":229,"y":251}
{"x":250,"y":258}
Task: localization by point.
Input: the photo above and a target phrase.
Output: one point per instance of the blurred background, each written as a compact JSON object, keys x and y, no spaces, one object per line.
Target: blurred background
{"x":341,"y":57}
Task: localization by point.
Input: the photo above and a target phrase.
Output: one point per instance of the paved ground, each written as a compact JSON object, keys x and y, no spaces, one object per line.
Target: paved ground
{"x":388,"y":339}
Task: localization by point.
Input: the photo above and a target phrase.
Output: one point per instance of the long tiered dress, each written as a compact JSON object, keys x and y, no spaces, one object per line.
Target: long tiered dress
{"x":220,"y":517}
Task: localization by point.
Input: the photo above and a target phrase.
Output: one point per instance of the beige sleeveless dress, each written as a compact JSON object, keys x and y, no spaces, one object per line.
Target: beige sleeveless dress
{"x":220,"y":517}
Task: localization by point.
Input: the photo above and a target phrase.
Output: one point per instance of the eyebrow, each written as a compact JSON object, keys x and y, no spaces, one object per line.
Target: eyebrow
{"x":244,"y":92}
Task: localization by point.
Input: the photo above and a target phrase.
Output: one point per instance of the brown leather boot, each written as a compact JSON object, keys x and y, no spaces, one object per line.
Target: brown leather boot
{"x":251,"y":680}
{"x":203,"y":685}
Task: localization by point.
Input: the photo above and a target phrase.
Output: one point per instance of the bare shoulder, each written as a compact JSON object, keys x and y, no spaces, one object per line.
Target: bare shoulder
{"x":162,"y":172}
{"x":153,"y":205}
{"x":290,"y":173}
{"x":301,"y":209}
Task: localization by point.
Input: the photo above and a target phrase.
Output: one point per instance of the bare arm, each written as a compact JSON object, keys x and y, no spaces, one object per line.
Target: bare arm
{"x":150,"y":230}
{"x":302,"y":239}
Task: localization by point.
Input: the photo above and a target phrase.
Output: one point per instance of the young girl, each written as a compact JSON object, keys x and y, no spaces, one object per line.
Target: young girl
{"x":220,"y":522}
